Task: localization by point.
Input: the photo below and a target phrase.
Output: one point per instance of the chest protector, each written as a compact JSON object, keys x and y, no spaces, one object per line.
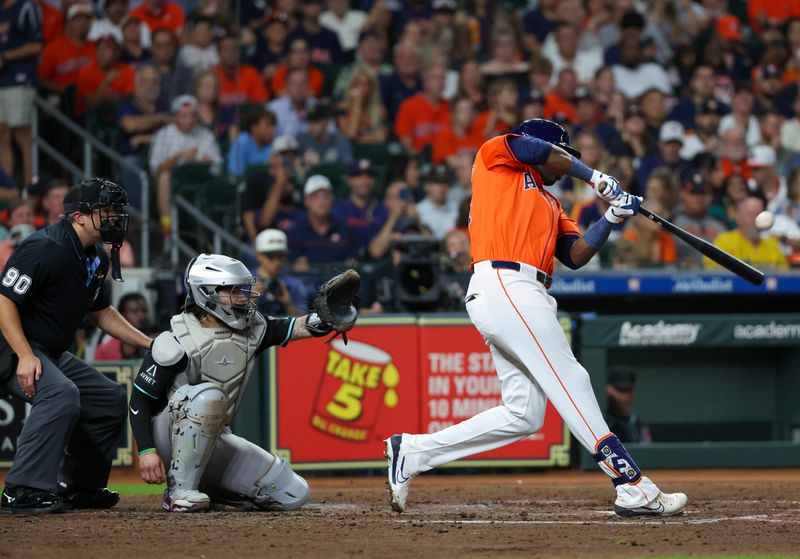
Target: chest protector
{"x":219,"y":355}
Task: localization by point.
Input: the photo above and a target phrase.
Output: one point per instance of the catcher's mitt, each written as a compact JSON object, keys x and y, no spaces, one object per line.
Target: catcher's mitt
{"x":334,"y":305}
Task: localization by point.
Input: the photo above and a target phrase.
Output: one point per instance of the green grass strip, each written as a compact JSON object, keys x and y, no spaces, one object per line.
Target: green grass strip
{"x":137,"y":488}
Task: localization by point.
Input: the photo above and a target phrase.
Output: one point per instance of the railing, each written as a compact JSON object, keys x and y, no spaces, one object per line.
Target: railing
{"x":219,"y":234}
{"x":91,"y":143}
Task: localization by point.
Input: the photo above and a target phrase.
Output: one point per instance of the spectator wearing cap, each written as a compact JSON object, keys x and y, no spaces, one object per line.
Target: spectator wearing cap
{"x":405,"y":81}
{"x":161,"y":14}
{"x":269,"y":198}
{"x":589,"y":118}
{"x":133,"y":51}
{"x":741,"y":116}
{"x":298,"y":57}
{"x":182,"y":141}
{"x":585,"y":62}
{"x":63,"y":58}
{"x":362,"y":116}
{"x":270,"y":47}
{"x":670,"y":142}
{"x":369,"y":53}
{"x":319,"y":237}
{"x":702,"y":138}
{"x":734,"y":61}
{"x":762,"y":163}
{"x":281,"y":294}
{"x":238,"y":83}
{"x":292,"y":107}
{"x":176,"y":79}
{"x":115,"y":14}
{"x":502,"y":113}
{"x":140,"y":117}
{"x":692,"y":215}
{"x":436,"y":211}
{"x":322,"y":144}
{"x":622,"y":421}
{"x":745,"y":242}
{"x":771,"y":91}
{"x":559,"y":100}
{"x":323,"y":43}
{"x":253,"y":145}
{"x":343,"y":21}
{"x":20,"y":45}
{"x":200,"y":53}
{"x":363,"y":213}
{"x":422,"y":116}
{"x":462,"y":137}
{"x":701,"y":92}
{"x":633,"y":76}
{"x":106,"y":79}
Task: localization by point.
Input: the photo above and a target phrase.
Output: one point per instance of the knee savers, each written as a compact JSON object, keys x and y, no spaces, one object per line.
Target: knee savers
{"x":615,"y":461}
{"x":280,"y":488}
{"x":204,"y":405}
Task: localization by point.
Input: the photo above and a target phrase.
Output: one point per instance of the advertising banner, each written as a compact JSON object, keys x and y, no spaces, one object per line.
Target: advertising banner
{"x":331,"y":406}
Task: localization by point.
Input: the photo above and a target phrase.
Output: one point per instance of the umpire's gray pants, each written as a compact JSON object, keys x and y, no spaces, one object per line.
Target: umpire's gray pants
{"x":77,"y":407}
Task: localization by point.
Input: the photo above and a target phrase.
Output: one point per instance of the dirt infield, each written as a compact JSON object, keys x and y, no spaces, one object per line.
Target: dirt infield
{"x":548,"y":515}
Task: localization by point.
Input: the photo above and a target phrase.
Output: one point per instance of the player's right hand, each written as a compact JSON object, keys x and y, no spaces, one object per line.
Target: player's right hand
{"x":607,"y":187}
{"x":29,"y":370}
{"x":623,"y":207}
{"x":151,"y":468}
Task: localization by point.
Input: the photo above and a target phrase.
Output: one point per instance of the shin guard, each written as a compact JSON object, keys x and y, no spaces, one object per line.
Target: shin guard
{"x":615,"y":461}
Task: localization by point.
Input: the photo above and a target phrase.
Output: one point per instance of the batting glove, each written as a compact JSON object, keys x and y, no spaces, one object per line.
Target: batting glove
{"x":607,"y":187}
{"x":624,"y":207}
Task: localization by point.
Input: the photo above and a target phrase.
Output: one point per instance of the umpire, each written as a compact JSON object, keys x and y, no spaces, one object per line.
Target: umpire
{"x":48,"y":286}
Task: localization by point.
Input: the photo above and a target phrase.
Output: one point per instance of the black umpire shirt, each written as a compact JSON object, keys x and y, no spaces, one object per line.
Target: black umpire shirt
{"x":54,"y":283}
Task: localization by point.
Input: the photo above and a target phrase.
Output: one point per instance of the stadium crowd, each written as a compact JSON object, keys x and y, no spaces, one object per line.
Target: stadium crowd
{"x":351,"y":124}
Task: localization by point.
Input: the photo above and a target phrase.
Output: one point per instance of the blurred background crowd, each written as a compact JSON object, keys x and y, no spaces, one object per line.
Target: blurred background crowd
{"x":339,"y":132}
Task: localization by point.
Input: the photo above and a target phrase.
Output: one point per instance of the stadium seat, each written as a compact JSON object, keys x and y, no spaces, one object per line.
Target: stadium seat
{"x":336,"y":173}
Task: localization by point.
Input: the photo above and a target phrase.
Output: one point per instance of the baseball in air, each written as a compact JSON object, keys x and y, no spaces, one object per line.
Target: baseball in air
{"x":765,"y":220}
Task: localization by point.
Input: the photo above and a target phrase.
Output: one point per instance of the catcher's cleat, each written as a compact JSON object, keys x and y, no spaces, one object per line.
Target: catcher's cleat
{"x":397,"y":481}
{"x":185,"y":501}
{"x":666,"y":504}
{"x":29,"y":500}
{"x":102,"y":498}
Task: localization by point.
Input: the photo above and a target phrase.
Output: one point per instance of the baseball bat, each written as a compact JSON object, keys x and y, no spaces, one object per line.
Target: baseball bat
{"x":741,"y":269}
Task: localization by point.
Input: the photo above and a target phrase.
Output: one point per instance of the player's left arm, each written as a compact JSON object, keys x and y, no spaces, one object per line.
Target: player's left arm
{"x":575,"y":250}
{"x":110,"y":321}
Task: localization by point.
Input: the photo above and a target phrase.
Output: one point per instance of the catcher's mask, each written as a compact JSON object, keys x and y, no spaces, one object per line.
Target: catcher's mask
{"x":110,"y":220}
{"x":223,"y":287}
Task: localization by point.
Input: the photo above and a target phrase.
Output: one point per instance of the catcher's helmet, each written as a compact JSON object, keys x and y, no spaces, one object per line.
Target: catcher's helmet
{"x":206,"y":274}
{"x":548,"y":131}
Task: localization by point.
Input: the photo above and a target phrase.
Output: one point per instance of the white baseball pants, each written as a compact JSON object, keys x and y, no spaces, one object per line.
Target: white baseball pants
{"x":517,"y":318}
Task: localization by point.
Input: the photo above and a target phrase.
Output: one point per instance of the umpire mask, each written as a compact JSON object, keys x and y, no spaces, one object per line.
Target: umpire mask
{"x":111,"y":221}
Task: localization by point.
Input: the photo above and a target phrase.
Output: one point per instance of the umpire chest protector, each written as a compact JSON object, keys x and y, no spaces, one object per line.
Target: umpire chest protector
{"x":219,"y":355}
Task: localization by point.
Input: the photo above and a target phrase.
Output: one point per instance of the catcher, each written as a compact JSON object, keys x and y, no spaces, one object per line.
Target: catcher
{"x":192,"y":381}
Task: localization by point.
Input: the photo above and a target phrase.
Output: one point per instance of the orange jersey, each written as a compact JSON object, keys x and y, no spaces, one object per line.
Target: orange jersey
{"x":447,"y":143}
{"x":91,"y":76}
{"x":419,"y":120}
{"x":171,"y":16}
{"x":512,"y":216}
{"x":316,"y":81}
{"x":52,"y":22}
{"x":63,"y":59}
{"x":245,"y":87}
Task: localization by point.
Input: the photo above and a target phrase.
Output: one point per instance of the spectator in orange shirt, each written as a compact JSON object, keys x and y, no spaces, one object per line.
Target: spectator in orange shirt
{"x":157,"y":14}
{"x":52,"y":20}
{"x":657,"y":246}
{"x":298,"y":56}
{"x":239,"y":83}
{"x":461,"y":137}
{"x":106,"y":80}
{"x":559,"y":100}
{"x":502,"y":114}
{"x":63,"y":59}
{"x":421,"y":116}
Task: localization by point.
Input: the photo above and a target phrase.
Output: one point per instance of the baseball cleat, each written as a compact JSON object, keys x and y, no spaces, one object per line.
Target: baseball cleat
{"x":102,"y":498}
{"x":397,"y":480}
{"x":185,"y":501}
{"x":666,"y":504}
{"x":29,"y":500}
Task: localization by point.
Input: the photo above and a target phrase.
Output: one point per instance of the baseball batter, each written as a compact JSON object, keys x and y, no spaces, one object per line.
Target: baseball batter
{"x":190,"y":386}
{"x":516,"y":229}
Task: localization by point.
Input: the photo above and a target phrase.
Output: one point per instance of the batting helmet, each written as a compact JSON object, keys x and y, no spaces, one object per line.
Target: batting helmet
{"x":548,"y":131}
